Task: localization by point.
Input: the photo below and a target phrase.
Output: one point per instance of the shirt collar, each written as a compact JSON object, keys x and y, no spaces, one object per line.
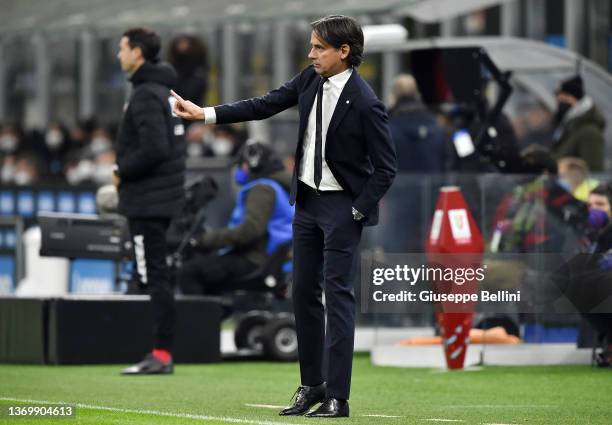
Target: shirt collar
{"x":339,"y":80}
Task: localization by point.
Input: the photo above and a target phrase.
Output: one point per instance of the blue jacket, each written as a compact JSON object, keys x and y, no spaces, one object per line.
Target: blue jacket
{"x":260,"y":221}
{"x":279,"y":224}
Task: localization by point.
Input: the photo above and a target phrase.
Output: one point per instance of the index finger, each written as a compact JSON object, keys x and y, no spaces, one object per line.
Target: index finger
{"x":176,"y":96}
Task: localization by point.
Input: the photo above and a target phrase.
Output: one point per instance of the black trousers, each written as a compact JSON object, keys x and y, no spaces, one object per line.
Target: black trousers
{"x":325,"y":243}
{"x":213,"y":274}
{"x":150,"y":251}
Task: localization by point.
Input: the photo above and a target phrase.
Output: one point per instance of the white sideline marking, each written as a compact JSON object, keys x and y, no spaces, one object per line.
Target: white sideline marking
{"x":380,"y":416}
{"x":151,"y":412}
{"x":499,"y":406}
{"x":499,"y":424}
{"x":444,"y":420}
{"x":264,"y":406}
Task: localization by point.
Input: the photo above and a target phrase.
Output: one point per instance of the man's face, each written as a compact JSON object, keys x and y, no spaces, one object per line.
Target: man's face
{"x":600,"y":202}
{"x":130,"y":58}
{"x":567,"y":98}
{"x":327,"y":60}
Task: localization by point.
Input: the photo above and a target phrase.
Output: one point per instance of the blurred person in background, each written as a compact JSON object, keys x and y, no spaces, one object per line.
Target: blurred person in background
{"x":260,"y":222}
{"x":189,"y":58}
{"x":55,"y":149}
{"x":27,"y":169}
{"x":574,"y":177}
{"x":419,"y":141}
{"x":600,"y":199}
{"x":578,"y":125}
{"x":586,"y":279}
{"x":101,"y":141}
{"x":226,"y":142}
{"x":79,"y":170}
{"x":150,"y":176}
{"x":13,"y":142}
{"x":89,"y":164}
{"x":541,"y":215}
{"x":199,"y":137}
{"x":80,"y":135}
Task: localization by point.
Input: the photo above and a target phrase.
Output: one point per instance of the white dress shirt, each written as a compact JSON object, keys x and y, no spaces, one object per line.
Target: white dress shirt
{"x":331,"y":93}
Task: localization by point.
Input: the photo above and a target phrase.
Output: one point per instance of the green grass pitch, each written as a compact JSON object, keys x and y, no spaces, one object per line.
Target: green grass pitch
{"x":225,"y":394}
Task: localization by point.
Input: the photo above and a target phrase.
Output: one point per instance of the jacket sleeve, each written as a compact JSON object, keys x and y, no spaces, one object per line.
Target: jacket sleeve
{"x":258,"y":211}
{"x":590,"y":143}
{"x":153,"y":145}
{"x":259,"y":108}
{"x":381,"y":150}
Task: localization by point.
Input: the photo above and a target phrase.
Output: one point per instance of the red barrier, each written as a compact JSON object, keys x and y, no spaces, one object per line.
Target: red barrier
{"x":454,"y":242}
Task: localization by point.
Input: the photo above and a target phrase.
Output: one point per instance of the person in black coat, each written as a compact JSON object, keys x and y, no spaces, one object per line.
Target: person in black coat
{"x":345,"y":162}
{"x":150,"y":177}
{"x":419,"y":140}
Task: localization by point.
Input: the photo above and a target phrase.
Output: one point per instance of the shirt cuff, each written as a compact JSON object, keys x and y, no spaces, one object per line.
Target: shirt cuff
{"x":210,"y":116}
{"x":357,"y":216}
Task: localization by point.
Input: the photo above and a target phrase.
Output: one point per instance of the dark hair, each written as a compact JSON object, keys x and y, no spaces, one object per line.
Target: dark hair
{"x":337,"y":30}
{"x":148,"y":41}
{"x":604,"y":189}
{"x":537,"y":159}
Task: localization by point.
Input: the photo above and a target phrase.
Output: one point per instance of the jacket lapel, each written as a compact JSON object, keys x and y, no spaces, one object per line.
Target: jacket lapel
{"x":345,"y":101}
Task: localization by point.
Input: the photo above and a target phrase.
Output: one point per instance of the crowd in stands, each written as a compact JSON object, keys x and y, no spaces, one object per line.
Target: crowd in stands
{"x":427,"y":140}
{"x":84,"y":154}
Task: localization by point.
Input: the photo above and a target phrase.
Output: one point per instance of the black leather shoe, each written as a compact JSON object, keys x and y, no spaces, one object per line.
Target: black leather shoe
{"x":331,"y":408}
{"x":149,"y":366}
{"x":305,"y":398}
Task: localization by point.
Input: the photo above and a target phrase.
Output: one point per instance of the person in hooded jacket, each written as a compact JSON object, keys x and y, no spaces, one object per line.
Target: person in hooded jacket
{"x":259,"y":224}
{"x":579,"y":125}
{"x":150,"y":176}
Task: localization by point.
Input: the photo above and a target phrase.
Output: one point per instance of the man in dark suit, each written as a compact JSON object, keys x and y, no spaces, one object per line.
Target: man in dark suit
{"x":344,"y":163}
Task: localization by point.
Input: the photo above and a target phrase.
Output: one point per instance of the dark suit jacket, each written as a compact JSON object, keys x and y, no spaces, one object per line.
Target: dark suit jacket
{"x":358,"y":148}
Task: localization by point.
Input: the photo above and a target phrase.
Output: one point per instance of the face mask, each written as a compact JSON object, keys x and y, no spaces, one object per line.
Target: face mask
{"x":72,"y":176}
{"x":99,"y":145}
{"x":54,"y":139}
{"x":103,"y":174}
{"x":8,"y":170}
{"x":241,"y":177}
{"x":23,"y":178}
{"x":222,"y":146}
{"x":195,"y":149}
{"x":598,"y":219}
{"x":8,"y":143}
{"x":562,"y":109}
{"x":564,"y":184}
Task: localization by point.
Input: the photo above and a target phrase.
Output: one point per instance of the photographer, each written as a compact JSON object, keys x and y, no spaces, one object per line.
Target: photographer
{"x":260,"y":222}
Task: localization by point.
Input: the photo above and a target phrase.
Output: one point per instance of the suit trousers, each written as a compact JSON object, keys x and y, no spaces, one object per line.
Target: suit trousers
{"x":325,"y":243}
{"x":150,"y":251}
